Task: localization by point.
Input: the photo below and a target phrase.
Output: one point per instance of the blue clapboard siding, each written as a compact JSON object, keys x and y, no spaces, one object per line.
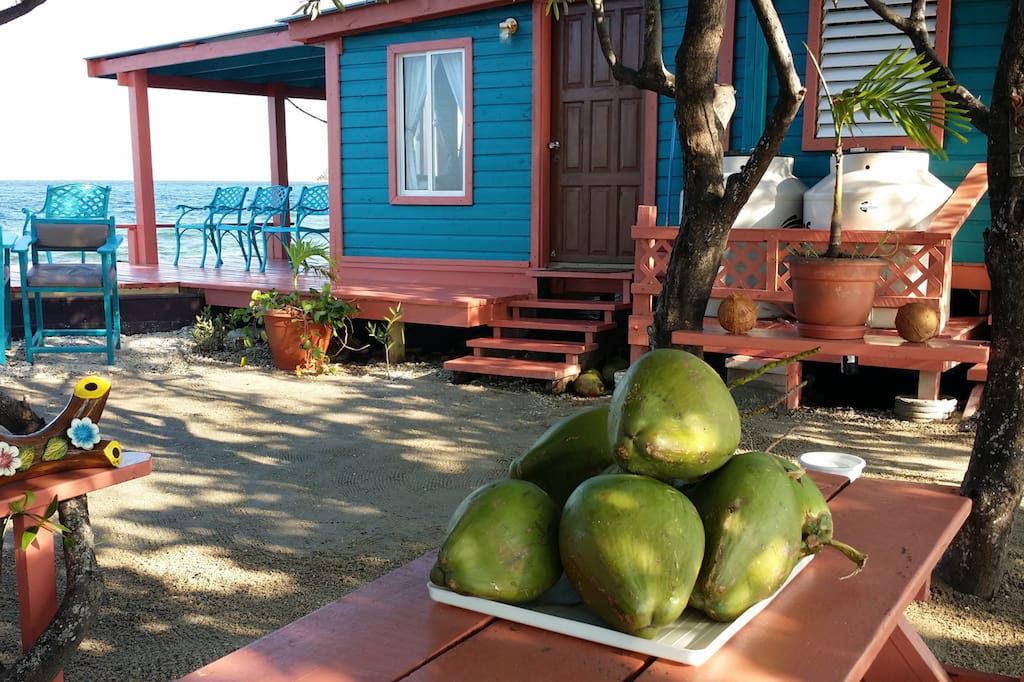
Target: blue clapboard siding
{"x":497,"y":225}
{"x":976,"y":35}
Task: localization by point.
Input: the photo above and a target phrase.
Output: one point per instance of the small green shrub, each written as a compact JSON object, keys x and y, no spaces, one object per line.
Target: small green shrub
{"x":209,"y":331}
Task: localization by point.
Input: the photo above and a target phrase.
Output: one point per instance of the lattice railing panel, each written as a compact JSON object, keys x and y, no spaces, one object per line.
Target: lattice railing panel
{"x":756,"y":261}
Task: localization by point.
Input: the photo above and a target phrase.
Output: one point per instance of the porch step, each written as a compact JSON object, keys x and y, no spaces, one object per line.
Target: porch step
{"x":533,"y":345}
{"x":513,"y":367}
{"x":546,"y":325}
{"x":569,"y":304}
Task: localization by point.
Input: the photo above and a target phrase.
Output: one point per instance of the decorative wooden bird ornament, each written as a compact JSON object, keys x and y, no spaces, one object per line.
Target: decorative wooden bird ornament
{"x":70,"y":441}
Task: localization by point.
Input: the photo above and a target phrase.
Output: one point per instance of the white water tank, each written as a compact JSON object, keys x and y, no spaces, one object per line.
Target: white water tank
{"x":881,"y":191}
{"x":777,"y":200}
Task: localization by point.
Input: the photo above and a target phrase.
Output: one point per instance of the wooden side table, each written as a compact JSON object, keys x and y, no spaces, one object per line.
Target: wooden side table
{"x":36,"y":575}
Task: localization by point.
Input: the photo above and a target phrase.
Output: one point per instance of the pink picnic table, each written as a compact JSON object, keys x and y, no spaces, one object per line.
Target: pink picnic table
{"x":818,"y":628}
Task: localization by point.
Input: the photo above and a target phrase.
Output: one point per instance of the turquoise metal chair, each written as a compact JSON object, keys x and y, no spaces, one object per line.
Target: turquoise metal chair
{"x":5,"y":297}
{"x":268,"y":203}
{"x":312,"y":201}
{"x":94,"y":236}
{"x":74,"y":200}
{"x":227,"y":202}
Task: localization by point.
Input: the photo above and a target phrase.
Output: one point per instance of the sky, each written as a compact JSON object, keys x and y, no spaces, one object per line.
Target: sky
{"x":56,"y":123}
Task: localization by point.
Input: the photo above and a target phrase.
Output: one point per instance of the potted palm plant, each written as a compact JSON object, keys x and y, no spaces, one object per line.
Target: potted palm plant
{"x":299,"y":327}
{"x":833,"y":291}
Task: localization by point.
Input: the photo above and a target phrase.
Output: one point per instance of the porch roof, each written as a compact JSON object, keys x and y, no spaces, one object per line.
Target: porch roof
{"x":259,"y":61}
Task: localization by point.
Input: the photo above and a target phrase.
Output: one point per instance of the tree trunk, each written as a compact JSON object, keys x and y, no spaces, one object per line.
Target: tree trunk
{"x":995,"y":476}
{"x":700,"y":245}
{"x":17,"y":416}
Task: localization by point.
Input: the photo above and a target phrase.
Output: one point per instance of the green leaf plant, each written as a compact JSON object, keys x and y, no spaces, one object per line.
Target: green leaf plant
{"x":899,"y":89}
{"x":314,"y":307}
{"x":381,"y":333}
{"x":20,"y":507}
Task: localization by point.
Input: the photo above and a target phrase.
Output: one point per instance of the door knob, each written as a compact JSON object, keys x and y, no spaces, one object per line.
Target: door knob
{"x":554,"y":145}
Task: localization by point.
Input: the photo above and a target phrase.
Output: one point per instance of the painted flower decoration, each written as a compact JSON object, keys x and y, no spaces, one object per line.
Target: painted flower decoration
{"x":10,"y":459}
{"x":83,"y":433}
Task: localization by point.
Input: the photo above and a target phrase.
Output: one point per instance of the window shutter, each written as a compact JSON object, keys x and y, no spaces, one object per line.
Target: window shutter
{"x":853,"y":40}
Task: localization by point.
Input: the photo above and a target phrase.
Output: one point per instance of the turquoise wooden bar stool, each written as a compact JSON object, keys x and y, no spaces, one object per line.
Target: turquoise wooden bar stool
{"x":312,"y":201}
{"x":88,"y":236}
{"x":5,"y":297}
{"x":227,"y":202}
{"x":268,"y":203}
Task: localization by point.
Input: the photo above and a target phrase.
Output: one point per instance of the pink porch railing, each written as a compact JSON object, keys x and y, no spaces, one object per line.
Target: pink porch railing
{"x":920,"y":261}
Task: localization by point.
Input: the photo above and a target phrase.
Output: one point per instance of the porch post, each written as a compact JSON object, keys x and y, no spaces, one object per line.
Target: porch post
{"x":332,"y":75}
{"x":142,"y":242}
{"x":278,"y":156}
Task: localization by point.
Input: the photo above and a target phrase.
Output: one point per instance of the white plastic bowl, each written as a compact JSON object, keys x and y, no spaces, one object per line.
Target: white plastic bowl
{"x":839,"y":463}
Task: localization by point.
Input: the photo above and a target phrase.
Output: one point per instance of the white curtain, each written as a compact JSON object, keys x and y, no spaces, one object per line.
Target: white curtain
{"x":414,"y":82}
{"x":450,"y":159}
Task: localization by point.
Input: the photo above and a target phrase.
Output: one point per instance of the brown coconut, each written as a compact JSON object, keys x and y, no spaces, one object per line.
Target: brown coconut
{"x":737,"y":314}
{"x":917,"y":322}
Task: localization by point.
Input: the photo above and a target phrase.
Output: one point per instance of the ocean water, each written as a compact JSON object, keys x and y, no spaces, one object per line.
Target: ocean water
{"x":18,"y":194}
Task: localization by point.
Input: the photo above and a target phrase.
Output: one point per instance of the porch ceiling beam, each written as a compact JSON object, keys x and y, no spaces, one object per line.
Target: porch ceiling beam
{"x":228,"y":87}
{"x":383,"y":15}
{"x":190,"y":52}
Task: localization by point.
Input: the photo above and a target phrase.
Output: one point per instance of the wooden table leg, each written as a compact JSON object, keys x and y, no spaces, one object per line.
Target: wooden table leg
{"x":37,"y":582}
{"x":905,"y":657}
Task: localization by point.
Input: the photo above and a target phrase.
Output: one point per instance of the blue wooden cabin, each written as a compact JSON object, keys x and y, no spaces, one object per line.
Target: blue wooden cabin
{"x":478,"y":143}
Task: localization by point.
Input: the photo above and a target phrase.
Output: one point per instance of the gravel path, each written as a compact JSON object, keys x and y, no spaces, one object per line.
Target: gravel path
{"x":273,"y":495}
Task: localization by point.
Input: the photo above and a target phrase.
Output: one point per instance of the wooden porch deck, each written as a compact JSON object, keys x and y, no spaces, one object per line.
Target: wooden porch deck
{"x":425,"y":298}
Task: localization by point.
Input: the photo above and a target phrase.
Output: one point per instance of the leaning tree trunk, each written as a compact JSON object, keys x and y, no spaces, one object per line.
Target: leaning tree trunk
{"x":710,"y":205}
{"x":995,"y":476}
{"x":84,"y":590}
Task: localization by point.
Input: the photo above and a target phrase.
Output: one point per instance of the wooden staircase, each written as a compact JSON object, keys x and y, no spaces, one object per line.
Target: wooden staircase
{"x":551,"y":338}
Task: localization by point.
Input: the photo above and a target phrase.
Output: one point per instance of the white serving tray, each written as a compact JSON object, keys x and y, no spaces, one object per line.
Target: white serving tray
{"x":692,"y":639}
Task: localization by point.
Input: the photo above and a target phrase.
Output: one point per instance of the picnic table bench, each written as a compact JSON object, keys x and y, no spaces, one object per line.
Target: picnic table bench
{"x":878,"y":349}
{"x":818,"y":628}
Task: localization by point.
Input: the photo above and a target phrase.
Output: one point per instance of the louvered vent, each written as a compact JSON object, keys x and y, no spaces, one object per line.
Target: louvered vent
{"x":853,"y":40}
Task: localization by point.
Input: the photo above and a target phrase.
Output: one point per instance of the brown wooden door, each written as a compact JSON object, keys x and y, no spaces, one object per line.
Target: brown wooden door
{"x":597,"y":129}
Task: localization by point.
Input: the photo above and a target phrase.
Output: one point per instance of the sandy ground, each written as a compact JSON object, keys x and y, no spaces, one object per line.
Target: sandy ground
{"x":273,"y":495}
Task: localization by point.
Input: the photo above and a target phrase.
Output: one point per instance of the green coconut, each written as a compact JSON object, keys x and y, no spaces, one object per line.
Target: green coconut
{"x":672,"y":417}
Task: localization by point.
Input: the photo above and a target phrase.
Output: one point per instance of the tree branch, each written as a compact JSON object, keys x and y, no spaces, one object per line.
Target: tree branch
{"x":652,"y":74}
{"x":791,"y":94}
{"x":916,"y":29}
{"x":21,"y":9}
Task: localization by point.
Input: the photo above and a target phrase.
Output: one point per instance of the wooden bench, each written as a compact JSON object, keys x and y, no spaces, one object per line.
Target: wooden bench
{"x":884,"y":349}
{"x":819,"y":628}
{"x":920,"y":269}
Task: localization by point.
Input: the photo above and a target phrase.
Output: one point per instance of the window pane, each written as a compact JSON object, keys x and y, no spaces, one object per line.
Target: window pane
{"x":416,"y":125}
{"x":449,"y":84}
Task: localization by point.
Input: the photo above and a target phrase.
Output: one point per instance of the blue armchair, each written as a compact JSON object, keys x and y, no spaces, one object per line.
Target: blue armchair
{"x":312,"y":201}
{"x":88,"y":236}
{"x":227,"y":202}
{"x":268,"y":203}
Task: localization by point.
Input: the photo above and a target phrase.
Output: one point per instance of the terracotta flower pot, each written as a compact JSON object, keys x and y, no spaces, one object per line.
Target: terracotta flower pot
{"x":285,"y":331}
{"x":833,"y":296}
